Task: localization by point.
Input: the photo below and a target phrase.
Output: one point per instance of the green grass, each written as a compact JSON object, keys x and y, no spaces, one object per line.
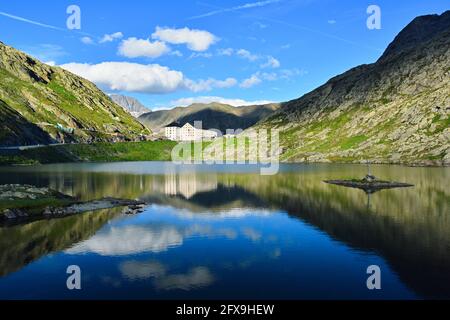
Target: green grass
{"x":9,"y":160}
{"x":34,"y":206}
{"x":97,"y":152}
{"x":352,"y":142}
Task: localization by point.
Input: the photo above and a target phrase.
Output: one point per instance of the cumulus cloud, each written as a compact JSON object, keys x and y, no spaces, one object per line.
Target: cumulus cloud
{"x":195,"y":278}
{"x":209,"y":84}
{"x":126,"y":76}
{"x":247,"y":55}
{"x":133,"y":48}
{"x":111,"y":37}
{"x":251,"y":82}
{"x":87,"y":40}
{"x":196,"y":40}
{"x":162,"y":279}
{"x":201,"y":55}
{"x":289,"y":73}
{"x":176,"y":53}
{"x":184,"y":102}
{"x":271,"y":63}
{"x":130,"y":240}
{"x":225,"y":52}
{"x":259,"y":77}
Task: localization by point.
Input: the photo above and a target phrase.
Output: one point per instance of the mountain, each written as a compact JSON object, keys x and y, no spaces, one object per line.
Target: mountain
{"x":213,"y":116}
{"x":395,"y":110}
{"x":41,"y":104}
{"x":130,"y":104}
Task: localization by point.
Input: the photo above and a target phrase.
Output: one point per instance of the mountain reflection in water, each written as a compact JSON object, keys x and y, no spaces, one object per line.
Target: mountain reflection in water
{"x":233,"y":233}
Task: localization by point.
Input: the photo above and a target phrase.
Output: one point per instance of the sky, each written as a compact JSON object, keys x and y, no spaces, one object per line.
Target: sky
{"x":176,"y":52}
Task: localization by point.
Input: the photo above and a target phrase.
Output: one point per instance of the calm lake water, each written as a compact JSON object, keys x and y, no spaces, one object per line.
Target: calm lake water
{"x":228,"y":232}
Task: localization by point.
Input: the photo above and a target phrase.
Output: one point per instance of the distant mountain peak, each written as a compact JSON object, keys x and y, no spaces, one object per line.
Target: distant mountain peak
{"x":395,"y":110}
{"x":130,"y":104}
{"x":419,"y":30}
{"x":213,"y":115}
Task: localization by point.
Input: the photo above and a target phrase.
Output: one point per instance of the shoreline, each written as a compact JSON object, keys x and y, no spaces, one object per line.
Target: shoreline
{"x":23,"y":202}
{"x":362,"y":162}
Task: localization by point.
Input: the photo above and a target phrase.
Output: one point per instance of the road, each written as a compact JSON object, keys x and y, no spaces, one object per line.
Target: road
{"x":31,"y":147}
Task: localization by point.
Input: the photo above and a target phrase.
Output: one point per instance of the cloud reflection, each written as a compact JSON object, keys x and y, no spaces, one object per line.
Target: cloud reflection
{"x":195,"y":278}
{"x":126,"y":240}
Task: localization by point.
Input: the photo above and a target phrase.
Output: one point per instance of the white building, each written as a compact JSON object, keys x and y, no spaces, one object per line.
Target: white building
{"x":187,"y":133}
{"x":171,"y":133}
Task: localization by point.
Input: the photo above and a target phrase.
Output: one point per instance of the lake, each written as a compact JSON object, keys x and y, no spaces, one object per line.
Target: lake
{"x":226,"y":232}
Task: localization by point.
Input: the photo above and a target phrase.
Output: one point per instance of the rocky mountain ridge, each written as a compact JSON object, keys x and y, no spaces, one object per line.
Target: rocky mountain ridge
{"x":130,"y":104}
{"x":395,"y":110}
{"x":212,"y":115}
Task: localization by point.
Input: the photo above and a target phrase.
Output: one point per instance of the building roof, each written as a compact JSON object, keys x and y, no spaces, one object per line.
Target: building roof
{"x":187,"y":124}
{"x":174,"y":124}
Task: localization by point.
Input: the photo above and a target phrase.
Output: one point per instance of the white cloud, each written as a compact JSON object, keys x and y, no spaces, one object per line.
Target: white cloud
{"x":271,"y":63}
{"x":225,"y":52}
{"x":247,"y":55}
{"x":269,"y":76}
{"x":133,"y":48}
{"x":250,"y":82}
{"x":331,"y":21}
{"x":196,"y":40}
{"x":200,"y":55}
{"x":134,"y":77}
{"x":184,"y":102}
{"x":176,"y":53}
{"x":289,"y":73}
{"x":111,"y":37}
{"x":135,"y":240}
{"x":209,"y":84}
{"x":50,"y":63}
{"x":259,"y":77}
{"x":127,"y":76}
{"x":87,"y":40}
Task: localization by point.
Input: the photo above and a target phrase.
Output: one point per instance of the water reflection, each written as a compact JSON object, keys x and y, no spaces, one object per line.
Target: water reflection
{"x":162,"y":279}
{"x":205,"y":228}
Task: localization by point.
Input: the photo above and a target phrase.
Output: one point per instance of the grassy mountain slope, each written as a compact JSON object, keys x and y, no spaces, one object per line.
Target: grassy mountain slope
{"x":395,"y":110}
{"x":213,"y":115}
{"x":35,"y":97}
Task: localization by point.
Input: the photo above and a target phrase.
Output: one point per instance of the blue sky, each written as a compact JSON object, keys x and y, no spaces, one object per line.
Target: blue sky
{"x":169,"y":52}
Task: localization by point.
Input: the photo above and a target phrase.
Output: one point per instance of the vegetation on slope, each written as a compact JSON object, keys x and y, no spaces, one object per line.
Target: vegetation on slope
{"x":396,"y":110}
{"x":96,"y":152}
{"x":213,"y":116}
{"x":35,"y":98}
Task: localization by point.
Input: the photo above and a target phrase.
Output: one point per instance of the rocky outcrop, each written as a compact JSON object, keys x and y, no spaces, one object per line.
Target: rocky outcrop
{"x":130,"y":104}
{"x":21,"y":201}
{"x":393,"y":111}
{"x":42,"y":104}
